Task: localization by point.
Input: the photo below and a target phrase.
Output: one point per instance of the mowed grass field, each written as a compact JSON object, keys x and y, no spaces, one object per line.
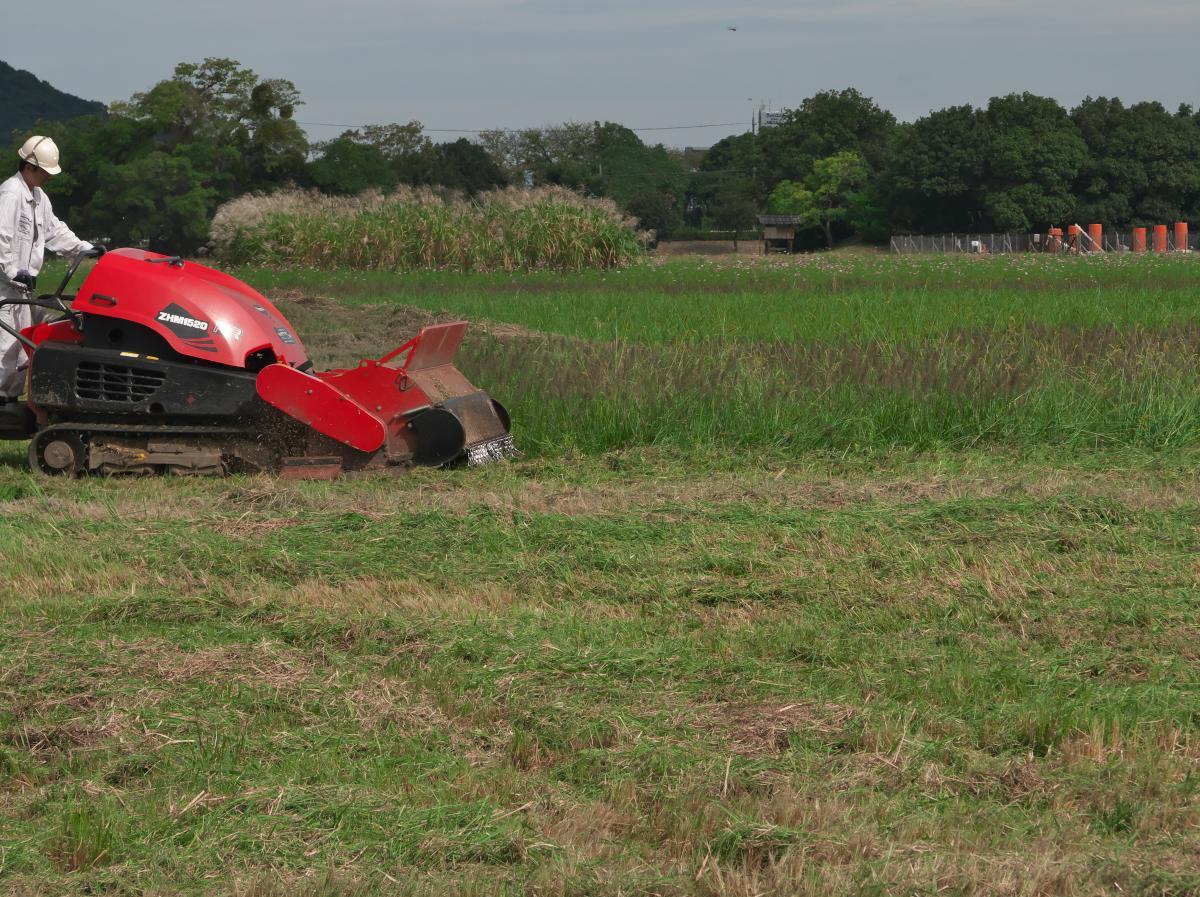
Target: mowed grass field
{"x":819,"y":576}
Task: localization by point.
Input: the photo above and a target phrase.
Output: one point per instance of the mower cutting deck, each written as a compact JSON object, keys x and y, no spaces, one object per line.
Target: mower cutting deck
{"x":162,"y":365}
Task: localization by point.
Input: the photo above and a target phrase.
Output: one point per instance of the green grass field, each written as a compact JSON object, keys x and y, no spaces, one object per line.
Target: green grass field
{"x":849,"y":355}
{"x":819,"y":576}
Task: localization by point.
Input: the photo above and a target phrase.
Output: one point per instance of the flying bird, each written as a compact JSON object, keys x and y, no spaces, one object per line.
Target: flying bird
{"x":731,"y":28}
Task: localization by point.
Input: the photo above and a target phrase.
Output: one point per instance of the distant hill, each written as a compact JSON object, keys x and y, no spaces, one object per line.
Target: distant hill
{"x":25,"y":98}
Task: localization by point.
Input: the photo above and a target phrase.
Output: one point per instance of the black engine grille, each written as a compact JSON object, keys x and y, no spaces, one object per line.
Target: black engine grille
{"x":116,"y":382}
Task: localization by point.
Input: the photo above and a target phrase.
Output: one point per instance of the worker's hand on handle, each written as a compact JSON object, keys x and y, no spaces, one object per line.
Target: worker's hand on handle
{"x":97,"y":250}
{"x":24,"y":281}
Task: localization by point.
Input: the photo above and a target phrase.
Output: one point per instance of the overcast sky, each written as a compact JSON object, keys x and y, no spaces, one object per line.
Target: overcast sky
{"x":474,"y":64}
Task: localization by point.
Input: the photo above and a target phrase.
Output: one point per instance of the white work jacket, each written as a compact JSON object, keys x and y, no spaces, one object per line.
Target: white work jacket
{"x":28,"y":228}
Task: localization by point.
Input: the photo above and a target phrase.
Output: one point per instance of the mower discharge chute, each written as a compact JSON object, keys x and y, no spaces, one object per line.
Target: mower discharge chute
{"x":162,"y":365}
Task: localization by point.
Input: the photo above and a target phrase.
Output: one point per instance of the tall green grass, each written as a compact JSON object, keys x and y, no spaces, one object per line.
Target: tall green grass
{"x":421,"y":230}
{"x":1074,"y":388}
{"x":824,"y":352}
{"x":822,"y":297}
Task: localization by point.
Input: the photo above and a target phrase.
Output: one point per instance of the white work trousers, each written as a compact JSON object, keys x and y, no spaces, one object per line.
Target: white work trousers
{"x":12,"y":354}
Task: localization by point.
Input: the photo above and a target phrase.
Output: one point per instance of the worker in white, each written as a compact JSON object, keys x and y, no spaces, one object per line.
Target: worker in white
{"x":27,"y":228}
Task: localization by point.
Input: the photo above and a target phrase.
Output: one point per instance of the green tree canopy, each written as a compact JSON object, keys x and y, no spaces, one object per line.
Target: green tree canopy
{"x":607,"y":159}
{"x":463,"y":165}
{"x":155,"y":168}
{"x":1142,"y":164}
{"x":731,"y":205}
{"x":827,"y":123}
{"x":559,"y":154}
{"x":347,"y":166}
{"x":161,"y":199}
{"x":828,"y":196}
{"x":644,"y":180}
{"x":733,"y":164}
{"x":934,"y":171}
{"x":1034,"y":155}
{"x":404,"y":147}
{"x":384,"y":155}
{"x":219,"y":102}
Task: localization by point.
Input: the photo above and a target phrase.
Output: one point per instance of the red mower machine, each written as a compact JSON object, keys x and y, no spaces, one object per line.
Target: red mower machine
{"x":161,"y":365}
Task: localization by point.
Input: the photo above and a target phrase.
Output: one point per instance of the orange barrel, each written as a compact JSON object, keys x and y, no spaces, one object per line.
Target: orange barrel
{"x":1139,"y":239}
{"x":1055,"y":242}
{"x":1160,"y":238}
{"x":1096,"y":232}
{"x":1181,"y":236}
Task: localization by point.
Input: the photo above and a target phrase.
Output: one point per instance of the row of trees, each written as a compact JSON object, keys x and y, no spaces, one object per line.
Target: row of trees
{"x":154,"y":168}
{"x":847,"y":167}
{"x":1021,"y":164}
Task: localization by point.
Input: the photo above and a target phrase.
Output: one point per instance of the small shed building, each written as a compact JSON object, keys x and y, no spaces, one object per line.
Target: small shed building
{"x":779,"y":232}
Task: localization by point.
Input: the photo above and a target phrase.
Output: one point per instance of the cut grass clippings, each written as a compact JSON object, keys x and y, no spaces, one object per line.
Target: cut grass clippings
{"x":626,"y":679}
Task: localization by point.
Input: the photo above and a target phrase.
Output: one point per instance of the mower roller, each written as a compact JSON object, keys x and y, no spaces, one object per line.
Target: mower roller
{"x":160,"y":365}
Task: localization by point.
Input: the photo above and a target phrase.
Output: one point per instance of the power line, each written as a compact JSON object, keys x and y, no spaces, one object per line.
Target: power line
{"x":724,"y":124}
{"x":326,"y":124}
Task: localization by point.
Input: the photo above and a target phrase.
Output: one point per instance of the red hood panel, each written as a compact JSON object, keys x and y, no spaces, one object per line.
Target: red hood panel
{"x":201,"y":312}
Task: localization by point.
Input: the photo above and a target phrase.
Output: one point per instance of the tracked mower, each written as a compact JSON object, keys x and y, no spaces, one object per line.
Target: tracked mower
{"x":161,"y":365}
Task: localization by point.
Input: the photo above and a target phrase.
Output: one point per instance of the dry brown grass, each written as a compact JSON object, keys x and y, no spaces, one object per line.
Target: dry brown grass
{"x":592,"y":832}
{"x":378,"y":702}
{"x":263,"y":664}
{"x":765,"y":730}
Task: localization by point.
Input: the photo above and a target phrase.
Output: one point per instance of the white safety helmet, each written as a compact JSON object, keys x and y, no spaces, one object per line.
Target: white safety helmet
{"x":42,"y":152}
